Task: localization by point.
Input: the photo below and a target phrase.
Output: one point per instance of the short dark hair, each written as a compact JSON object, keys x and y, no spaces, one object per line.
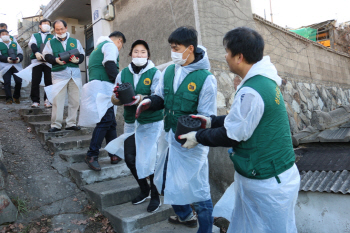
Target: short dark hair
{"x":59,"y":20}
{"x":3,"y":25}
{"x":184,"y":36}
{"x":118,"y":34}
{"x":246,"y":41}
{"x":45,"y":20}
{"x":3,"y":30}
{"x":144,"y":43}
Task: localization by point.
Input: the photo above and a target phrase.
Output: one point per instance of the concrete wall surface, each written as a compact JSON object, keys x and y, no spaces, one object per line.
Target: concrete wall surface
{"x":322,"y":212}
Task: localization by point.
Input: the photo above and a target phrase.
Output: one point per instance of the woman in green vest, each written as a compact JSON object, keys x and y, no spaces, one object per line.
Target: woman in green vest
{"x":140,"y":146}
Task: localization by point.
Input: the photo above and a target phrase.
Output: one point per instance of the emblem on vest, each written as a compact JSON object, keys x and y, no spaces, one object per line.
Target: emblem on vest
{"x":48,"y":38}
{"x":72,"y":45}
{"x":192,"y":86}
{"x":147,"y":81}
{"x":278,"y":96}
{"x":13,"y":45}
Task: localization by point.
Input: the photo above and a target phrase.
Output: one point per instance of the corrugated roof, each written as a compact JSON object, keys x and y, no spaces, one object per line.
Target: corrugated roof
{"x":336,"y":182}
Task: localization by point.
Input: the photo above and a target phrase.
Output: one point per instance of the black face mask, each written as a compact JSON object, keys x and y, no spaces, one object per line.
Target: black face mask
{"x":137,"y":69}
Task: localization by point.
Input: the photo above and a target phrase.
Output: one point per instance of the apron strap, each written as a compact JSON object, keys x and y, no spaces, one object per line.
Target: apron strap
{"x":274,"y":168}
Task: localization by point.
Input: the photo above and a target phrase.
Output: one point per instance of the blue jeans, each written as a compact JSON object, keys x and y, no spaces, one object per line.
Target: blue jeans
{"x":204,"y":211}
{"x":106,"y":128}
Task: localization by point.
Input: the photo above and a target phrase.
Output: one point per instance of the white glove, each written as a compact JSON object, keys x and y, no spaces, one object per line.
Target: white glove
{"x":9,"y":60}
{"x":59,"y":61}
{"x":39,"y":56}
{"x":206,"y":121}
{"x":191,"y":140}
{"x":137,"y":99}
{"x":74,"y":59}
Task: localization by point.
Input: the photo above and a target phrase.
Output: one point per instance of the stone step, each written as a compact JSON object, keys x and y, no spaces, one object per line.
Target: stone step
{"x":36,"y":118}
{"x":68,"y":143}
{"x":112,"y":192}
{"x":34,"y":111}
{"x":44,"y":135}
{"x":40,"y":126}
{"x":83,"y":175}
{"x":166,"y":227}
{"x":128,"y":218}
{"x":78,"y":155}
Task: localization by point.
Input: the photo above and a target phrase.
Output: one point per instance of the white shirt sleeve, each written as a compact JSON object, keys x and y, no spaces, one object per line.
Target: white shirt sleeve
{"x":110,"y":52}
{"x":159,"y":91}
{"x":207,"y":97}
{"x":155,"y":81}
{"x":32,"y":41}
{"x":47,"y":49}
{"x":245,"y":114}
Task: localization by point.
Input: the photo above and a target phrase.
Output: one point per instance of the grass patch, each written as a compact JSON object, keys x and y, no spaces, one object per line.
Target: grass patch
{"x":21,"y":204}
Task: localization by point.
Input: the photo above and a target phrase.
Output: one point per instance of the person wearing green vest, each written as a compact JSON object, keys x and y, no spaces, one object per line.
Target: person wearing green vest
{"x":66,"y":77}
{"x":96,"y":109}
{"x":186,"y":87}
{"x":10,"y":66}
{"x":40,"y":67}
{"x":257,"y":128}
{"x":140,"y":135}
{"x":4,"y":26}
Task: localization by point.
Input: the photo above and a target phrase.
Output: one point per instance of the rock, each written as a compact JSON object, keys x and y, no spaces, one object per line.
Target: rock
{"x":232,"y":98}
{"x":295,"y":106}
{"x":324,"y":94}
{"x":339,"y":102}
{"x":287,"y":97}
{"x":1,"y":154}
{"x":289,"y":109}
{"x":310,"y":106}
{"x":320,"y":103}
{"x":313,"y":87}
{"x":307,"y":86}
{"x":304,"y":119}
{"x":308,"y":114}
{"x":220,"y":100}
{"x":296,"y":97}
{"x":314,"y":102}
{"x":293,"y":125}
{"x":3,"y":176}
{"x":8,"y":211}
{"x":289,"y":88}
{"x":302,"y":97}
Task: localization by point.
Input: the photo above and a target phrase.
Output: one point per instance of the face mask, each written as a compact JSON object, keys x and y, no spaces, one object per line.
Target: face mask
{"x":139,"y":61}
{"x":5,"y":38}
{"x":64,"y":35}
{"x":45,"y":28}
{"x":177,"y":57}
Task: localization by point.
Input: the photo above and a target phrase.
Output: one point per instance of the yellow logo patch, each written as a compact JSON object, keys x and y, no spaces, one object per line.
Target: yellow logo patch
{"x":72,"y":45}
{"x":13,"y":45}
{"x":48,"y":38}
{"x":147,"y":81}
{"x":192,"y":86}
{"x":278,"y":96}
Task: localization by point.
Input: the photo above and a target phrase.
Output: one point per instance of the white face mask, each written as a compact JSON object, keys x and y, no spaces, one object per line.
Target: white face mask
{"x":45,"y":28}
{"x":5,"y":38}
{"x":139,"y":61}
{"x":177,"y":57}
{"x":64,"y":35}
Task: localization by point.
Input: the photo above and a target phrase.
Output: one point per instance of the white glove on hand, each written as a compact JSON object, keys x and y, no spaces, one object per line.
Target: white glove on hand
{"x":191,"y":140}
{"x":137,"y":99}
{"x":39,"y":56}
{"x":9,"y":60}
{"x":74,"y":59}
{"x":206,"y":121}
{"x":59,"y":61}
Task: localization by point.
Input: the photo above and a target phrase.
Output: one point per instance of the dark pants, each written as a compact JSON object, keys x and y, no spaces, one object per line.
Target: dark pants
{"x":130,"y":160}
{"x":36,"y":80}
{"x":7,"y":84}
{"x":106,"y":128}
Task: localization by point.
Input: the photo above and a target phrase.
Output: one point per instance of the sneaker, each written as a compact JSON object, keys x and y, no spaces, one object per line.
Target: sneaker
{"x":16,"y":101}
{"x":192,"y":222}
{"x":92,"y":163}
{"x":75,"y":128}
{"x":47,"y":104}
{"x":139,"y":199}
{"x":54,"y":129}
{"x":154,"y":204}
{"x":9,"y":101}
{"x":35,"y":105}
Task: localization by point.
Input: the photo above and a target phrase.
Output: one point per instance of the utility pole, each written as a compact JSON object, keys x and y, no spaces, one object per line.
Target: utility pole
{"x":271,"y":12}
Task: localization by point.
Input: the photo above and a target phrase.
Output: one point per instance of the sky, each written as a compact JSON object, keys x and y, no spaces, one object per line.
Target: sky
{"x":291,"y":13}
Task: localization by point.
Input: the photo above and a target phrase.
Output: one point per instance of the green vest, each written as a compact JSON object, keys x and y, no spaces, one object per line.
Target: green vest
{"x":143,"y":87}
{"x":185,"y":100}
{"x":57,"y":48}
{"x":96,"y":69}
{"x":39,"y":41}
{"x":12,"y":39}
{"x":4,"y":49}
{"x":269,"y":151}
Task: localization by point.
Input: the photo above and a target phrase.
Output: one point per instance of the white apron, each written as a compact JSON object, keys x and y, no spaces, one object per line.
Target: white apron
{"x":26,"y":74}
{"x":4,"y":67}
{"x":263,"y":206}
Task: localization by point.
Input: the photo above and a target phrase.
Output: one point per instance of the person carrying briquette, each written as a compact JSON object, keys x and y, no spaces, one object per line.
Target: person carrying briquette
{"x":186,"y":87}
{"x":40,"y":66}
{"x":11,"y":55}
{"x":267,"y":180}
{"x":96,"y":108}
{"x":66,"y":77}
{"x":140,"y":135}
{"x":4,"y":26}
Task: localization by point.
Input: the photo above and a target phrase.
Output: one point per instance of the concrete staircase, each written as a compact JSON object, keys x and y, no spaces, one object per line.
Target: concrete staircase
{"x":112,"y":189}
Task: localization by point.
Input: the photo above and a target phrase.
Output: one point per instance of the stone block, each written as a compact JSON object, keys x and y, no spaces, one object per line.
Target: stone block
{"x":3,"y":176}
{"x":68,"y":143}
{"x":8,"y":211}
{"x":127,"y":218}
{"x":166,"y":227}
{"x":112,"y":192}
{"x":295,"y":106}
{"x":34,"y":111}
{"x":83,"y":175}
{"x":36,"y":118}
{"x":68,"y":223}
{"x":44,"y":135}
{"x":78,"y":155}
